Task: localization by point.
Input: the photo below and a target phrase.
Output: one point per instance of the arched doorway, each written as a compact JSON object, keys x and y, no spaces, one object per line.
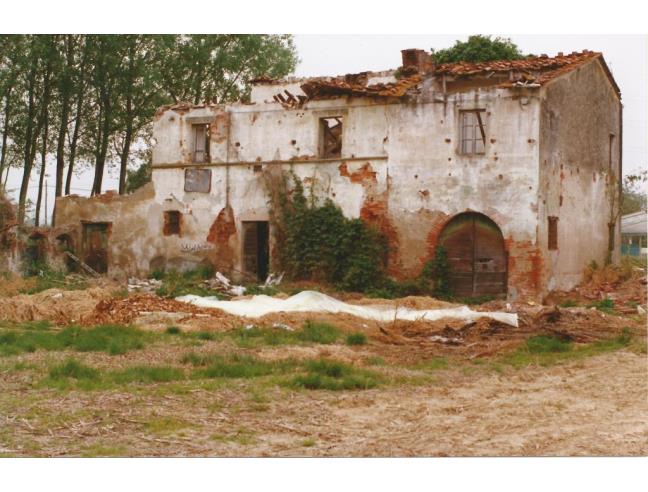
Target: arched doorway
{"x":476,"y":256}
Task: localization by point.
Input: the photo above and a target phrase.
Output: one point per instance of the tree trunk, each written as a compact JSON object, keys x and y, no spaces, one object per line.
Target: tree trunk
{"x":124,"y":159}
{"x":5,"y":134}
{"x":65,"y":114}
{"x":41,"y":178}
{"x":28,"y":159}
{"x":78,"y":120}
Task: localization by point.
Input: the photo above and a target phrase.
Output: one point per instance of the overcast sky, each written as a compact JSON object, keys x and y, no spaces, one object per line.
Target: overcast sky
{"x":339,"y":54}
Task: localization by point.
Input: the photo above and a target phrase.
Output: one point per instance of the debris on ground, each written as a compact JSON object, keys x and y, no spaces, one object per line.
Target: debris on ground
{"x":143,"y":285}
{"x":126,"y":311}
{"x":221,"y":283}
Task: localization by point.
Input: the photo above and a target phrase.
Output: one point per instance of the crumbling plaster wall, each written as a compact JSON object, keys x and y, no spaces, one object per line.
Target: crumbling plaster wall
{"x":400,"y":169}
{"x":431,"y":181}
{"x":579,"y":112}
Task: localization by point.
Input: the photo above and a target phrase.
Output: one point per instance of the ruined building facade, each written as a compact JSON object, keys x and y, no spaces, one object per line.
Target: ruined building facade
{"x":512,"y":166}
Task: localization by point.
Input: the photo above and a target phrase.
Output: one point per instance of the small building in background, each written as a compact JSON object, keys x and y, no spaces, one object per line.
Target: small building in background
{"x":634,"y":229}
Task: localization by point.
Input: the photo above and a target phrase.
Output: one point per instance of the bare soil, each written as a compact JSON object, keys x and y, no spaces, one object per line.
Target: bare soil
{"x":469,"y":405}
{"x":597,"y":406}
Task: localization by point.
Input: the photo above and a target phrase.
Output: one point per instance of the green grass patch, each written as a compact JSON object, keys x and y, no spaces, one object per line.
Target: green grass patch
{"x":256,"y":336}
{"x":333,"y":375}
{"x":606,"y":305}
{"x":147,"y":374}
{"x":433,"y":364}
{"x":236,"y":366}
{"x":547,"y":344}
{"x":356,"y":339}
{"x":546,"y":350}
{"x":567,"y":303}
{"x":176,"y":284}
{"x":113,"y":339}
{"x":318,"y":333}
{"x":74,"y":369}
{"x":166,"y":425}
{"x":241,"y":436}
{"x":173,"y":330}
{"x":374,"y":360}
{"x":311,"y":332}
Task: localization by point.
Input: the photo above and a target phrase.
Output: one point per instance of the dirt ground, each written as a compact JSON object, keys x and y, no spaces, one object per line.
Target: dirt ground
{"x":449,"y":388}
{"x":593,"y":407}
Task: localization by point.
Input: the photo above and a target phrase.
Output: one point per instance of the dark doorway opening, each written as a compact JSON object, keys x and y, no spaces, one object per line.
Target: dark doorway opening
{"x":477,"y":259}
{"x":64,"y":245}
{"x":95,"y":245}
{"x":256,"y":248}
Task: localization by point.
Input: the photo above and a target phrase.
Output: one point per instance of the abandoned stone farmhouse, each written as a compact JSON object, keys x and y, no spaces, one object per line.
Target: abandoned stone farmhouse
{"x":512,"y":166}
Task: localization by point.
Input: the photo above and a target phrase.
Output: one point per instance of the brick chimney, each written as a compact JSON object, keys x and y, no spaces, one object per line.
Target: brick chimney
{"x":416,"y":60}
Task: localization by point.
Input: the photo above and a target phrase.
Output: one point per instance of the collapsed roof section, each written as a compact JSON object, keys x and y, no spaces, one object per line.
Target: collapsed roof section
{"x":418,"y":65}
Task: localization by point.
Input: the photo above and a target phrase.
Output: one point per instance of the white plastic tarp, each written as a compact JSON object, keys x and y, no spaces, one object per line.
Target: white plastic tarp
{"x":311,"y":301}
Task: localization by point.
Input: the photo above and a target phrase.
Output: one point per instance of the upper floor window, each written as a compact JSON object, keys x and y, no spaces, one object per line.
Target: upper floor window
{"x":200,"y":143}
{"x":330,"y":140}
{"x":472,"y":131}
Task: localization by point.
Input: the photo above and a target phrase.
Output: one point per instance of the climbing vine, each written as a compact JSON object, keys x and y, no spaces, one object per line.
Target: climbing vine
{"x":317,"y":242}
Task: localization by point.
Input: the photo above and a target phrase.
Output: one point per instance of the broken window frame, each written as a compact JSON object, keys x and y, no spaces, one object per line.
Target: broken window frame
{"x":200,"y":185}
{"x":472,"y":134}
{"x":330,"y":145}
{"x":552,"y":233}
{"x":172,"y":223}
{"x":200,"y":135}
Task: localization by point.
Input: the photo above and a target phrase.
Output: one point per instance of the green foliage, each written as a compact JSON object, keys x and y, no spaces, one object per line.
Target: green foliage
{"x":311,"y":332}
{"x":256,"y":336}
{"x":435,"y":274}
{"x":356,"y":339}
{"x":548,"y":350}
{"x":139,"y":177}
{"x":606,"y":305}
{"x":147,"y":374}
{"x":113,"y":339}
{"x":173,"y":330}
{"x":235,"y":366}
{"x":543,"y":344}
{"x":74,"y":369}
{"x":634,"y":198}
{"x":336,"y":376}
{"x":318,"y":333}
{"x":479,"y":48}
{"x":176,"y":283}
{"x":567,"y":303}
{"x":93,"y":96}
{"x":320,"y":243}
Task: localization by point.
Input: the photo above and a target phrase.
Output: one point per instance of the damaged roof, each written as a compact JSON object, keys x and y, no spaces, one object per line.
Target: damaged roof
{"x":528,"y":72}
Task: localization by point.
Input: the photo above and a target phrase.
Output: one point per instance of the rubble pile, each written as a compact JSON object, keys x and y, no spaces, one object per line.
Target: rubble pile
{"x":126,"y":310}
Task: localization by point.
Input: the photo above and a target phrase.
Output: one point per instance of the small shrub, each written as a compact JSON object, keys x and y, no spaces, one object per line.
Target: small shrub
{"x":74,"y":369}
{"x":205,"y":335}
{"x":567,"y":303}
{"x":356,"y":339}
{"x":544,"y":344}
{"x":319,"y":333}
{"x":605,"y":305}
{"x":173,"y":330}
{"x":335,"y":376}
